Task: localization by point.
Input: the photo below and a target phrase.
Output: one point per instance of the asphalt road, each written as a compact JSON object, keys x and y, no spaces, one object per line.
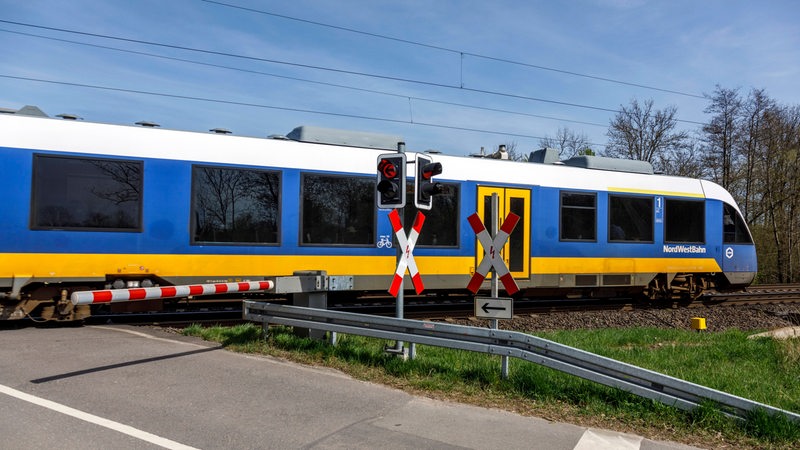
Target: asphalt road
{"x":123,"y":387}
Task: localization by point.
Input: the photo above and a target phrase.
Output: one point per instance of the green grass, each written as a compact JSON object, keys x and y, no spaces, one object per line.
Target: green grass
{"x":763,"y":370}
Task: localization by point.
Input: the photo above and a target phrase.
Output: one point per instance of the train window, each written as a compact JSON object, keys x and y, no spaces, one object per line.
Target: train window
{"x":630,"y":219}
{"x":516,"y":242}
{"x":231,"y":205}
{"x":684,"y":221}
{"x":734,"y":228}
{"x":338,"y":210}
{"x":86,"y":194}
{"x":578,"y":216}
{"x":441,"y":222}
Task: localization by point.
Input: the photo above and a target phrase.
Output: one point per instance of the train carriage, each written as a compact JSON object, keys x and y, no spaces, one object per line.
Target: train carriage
{"x":93,"y":206}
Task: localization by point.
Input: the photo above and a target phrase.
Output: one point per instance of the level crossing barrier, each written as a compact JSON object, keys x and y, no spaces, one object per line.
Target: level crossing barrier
{"x":150,"y":293}
{"x":636,"y":380}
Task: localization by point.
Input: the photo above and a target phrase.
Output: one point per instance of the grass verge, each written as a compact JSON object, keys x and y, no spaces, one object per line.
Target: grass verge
{"x":764,"y":370}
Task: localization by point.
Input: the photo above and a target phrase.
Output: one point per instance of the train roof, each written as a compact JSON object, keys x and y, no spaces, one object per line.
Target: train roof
{"x":347,"y":138}
{"x":76,"y":136}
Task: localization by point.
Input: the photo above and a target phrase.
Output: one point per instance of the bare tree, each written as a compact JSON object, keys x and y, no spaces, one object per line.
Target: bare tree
{"x":752,"y":125}
{"x":722,"y":132}
{"x":733,"y":142}
{"x":640,"y":132}
{"x":685,"y":161}
{"x":753,"y":149}
{"x":780,"y":161}
{"x":568,"y":143}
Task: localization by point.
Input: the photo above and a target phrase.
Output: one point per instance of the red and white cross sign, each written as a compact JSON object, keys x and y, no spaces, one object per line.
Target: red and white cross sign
{"x":491,"y":257}
{"x":407,"y":258}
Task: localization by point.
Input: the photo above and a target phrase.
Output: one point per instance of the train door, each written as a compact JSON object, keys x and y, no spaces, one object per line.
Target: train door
{"x":517,"y":251}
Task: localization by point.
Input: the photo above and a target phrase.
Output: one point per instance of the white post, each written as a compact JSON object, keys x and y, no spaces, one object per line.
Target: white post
{"x":495,"y":288}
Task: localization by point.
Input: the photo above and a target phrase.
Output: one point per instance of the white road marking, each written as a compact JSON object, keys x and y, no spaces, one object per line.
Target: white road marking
{"x":608,"y":440}
{"x":91,"y":418}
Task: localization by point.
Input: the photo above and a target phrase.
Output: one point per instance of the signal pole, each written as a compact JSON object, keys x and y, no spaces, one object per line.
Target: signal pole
{"x":391,"y":194}
{"x":399,"y":347}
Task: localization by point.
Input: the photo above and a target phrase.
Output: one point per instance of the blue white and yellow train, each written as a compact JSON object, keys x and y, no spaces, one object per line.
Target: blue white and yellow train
{"x":91,"y":206}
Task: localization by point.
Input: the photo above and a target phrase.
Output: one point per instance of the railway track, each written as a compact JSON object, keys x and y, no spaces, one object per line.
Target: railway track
{"x":459,"y":307}
{"x":754,"y":295}
{"x":758,"y":294}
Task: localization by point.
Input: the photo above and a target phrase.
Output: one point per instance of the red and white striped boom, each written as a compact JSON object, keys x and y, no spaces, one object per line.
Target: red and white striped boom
{"x":124,"y":295}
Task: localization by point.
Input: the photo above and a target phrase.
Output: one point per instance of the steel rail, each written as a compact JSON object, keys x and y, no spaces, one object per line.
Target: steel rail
{"x":636,"y":380}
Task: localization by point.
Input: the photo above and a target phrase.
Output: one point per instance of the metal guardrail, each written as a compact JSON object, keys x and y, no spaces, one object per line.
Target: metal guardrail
{"x":642,"y":382}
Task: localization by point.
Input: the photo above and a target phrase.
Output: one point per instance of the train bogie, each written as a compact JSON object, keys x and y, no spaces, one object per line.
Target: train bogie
{"x":94,"y":206}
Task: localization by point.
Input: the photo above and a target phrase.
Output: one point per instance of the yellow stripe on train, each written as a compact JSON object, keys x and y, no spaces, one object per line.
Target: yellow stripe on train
{"x":51,"y":265}
{"x":656,"y":192}
{"x":59,"y":265}
{"x":622,"y":265}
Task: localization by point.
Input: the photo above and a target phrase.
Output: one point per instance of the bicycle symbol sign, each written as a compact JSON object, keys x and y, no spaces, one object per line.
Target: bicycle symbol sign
{"x":385,"y":241}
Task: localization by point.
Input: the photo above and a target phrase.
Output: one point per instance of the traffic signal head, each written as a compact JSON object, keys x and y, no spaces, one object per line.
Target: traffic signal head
{"x":391,"y":181}
{"x":424,"y":186}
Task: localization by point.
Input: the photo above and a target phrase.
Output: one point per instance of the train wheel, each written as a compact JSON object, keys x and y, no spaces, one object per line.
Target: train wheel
{"x":687,"y":287}
{"x":46,"y":313}
{"x":657,"y":289}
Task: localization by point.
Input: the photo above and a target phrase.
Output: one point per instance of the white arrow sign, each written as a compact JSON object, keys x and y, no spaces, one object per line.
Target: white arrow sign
{"x":494,"y":308}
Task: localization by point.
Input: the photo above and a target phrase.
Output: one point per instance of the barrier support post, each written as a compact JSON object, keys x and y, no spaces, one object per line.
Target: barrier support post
{"x":311,"y":299}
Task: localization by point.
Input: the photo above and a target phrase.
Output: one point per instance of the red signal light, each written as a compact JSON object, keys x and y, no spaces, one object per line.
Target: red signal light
{"x":428,"y":171}
{"x":390,"y":185}
{"x":424,"y":186}
{"x":387,"y":168}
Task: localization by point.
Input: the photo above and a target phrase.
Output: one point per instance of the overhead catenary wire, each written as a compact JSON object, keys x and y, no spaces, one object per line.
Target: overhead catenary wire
{"x":282,"y":108}
{"x":462,"y":53}
{"x":304,"y":80}
{"x":328,"y":69}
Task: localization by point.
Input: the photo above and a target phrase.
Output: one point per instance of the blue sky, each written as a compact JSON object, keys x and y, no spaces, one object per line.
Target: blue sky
{"x":253,"y":70}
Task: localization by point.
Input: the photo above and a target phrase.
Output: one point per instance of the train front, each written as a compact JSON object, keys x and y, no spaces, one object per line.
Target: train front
{"x":737,"y":252}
